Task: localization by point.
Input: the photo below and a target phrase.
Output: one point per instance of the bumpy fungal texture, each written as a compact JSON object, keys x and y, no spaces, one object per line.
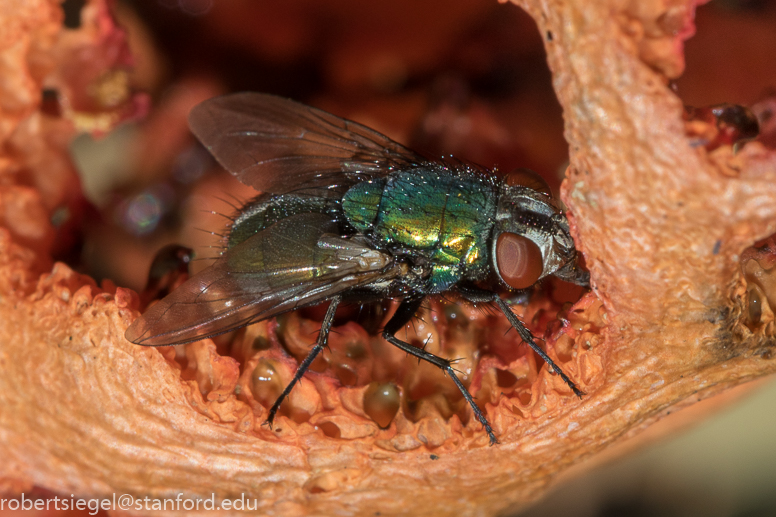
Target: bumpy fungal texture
{"x":679,"y":311}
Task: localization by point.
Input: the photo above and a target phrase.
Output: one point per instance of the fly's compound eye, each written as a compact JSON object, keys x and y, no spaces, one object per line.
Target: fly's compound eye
{"x":519,"y":260}
{"x":527,"y":178}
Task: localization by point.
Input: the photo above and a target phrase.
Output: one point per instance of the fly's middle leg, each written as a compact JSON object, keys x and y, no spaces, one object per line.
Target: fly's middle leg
{"x":405,"y":312}
{"x":323,"y":338}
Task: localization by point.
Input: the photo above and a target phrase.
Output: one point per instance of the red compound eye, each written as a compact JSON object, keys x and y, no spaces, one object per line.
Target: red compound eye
{"x":527,"y":178}
{"x":519,"y":260}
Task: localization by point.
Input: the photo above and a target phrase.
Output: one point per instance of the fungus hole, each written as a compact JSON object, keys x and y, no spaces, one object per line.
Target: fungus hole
{"x":524,"y":396}
{"x":261,"y":343}
{"x":330,"y":429}
{"x":505,"y":378}
{"x":49,"y":104}
{"x":72,"y":10}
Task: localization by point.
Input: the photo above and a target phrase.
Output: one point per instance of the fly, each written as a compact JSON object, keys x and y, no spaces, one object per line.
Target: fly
{"x":349,"y":215}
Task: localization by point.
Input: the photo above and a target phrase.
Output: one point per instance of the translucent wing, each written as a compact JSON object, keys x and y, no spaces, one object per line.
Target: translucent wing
{"x":278,"y":145}
{"x":293,"y":263}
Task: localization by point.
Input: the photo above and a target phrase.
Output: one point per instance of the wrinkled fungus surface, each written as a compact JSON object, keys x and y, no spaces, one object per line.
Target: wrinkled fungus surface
{"x":681,"y":305}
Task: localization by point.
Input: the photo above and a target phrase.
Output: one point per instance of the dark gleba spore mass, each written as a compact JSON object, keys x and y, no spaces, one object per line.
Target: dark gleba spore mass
{"x":349,"y":215}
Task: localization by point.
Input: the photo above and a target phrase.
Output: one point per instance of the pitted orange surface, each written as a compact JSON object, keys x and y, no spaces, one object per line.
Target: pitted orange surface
{"x":678,"y":310}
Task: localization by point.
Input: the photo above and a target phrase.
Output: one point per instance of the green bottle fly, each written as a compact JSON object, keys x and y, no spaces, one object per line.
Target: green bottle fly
{"x":349,"y":215}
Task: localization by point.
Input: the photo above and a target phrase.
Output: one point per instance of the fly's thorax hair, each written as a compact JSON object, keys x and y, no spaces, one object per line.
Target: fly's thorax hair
{"x":536,"y":216}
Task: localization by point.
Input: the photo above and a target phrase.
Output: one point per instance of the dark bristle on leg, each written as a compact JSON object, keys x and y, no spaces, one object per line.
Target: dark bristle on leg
{"x":401,"y":317}
{"x":323,"y":338}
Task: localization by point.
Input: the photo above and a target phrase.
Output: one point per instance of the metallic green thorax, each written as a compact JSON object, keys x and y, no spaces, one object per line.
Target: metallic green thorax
{"x":446,"y":216}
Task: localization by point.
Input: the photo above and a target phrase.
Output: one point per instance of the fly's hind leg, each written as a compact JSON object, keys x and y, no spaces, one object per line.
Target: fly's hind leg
{"x":323,"y":338}
{"x":403,"y":315}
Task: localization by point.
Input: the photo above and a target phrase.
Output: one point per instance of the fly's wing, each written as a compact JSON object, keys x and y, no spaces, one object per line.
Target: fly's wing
{"x":278,"y":145}
{"x":293,"y":263}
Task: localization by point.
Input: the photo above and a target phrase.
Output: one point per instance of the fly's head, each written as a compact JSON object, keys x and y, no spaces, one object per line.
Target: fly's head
{"x":531,"y":237}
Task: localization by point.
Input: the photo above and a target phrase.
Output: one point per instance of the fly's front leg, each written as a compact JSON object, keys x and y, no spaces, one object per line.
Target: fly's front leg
{"x":323,"y":338}
{"x":403,"y":315}
{"x":476,"y":296}
{"x":527,"y":337}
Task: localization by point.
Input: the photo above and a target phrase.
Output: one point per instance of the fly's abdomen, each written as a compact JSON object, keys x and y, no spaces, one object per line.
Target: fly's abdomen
{"x":446,"y":216}
{"x":266,"y":210}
